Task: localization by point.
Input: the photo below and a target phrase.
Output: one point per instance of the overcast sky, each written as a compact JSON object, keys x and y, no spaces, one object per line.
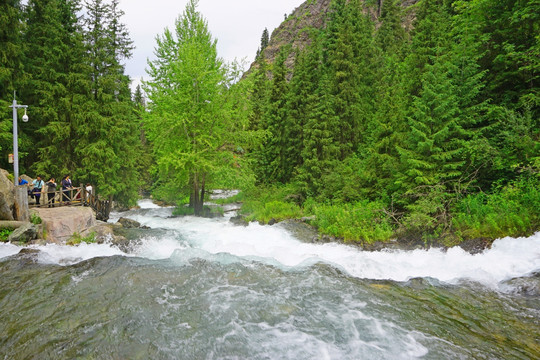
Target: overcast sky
{"x":236,"y":24}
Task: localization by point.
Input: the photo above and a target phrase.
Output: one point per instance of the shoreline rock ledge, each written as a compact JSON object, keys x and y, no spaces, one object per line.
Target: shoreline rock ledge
{"x":62,"y":222}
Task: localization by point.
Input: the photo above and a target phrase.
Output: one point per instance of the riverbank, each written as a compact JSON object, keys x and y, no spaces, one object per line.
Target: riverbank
{"x":472,"y":222}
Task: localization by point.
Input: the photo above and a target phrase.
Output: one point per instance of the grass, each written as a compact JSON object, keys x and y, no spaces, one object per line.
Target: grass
{"x":513,"y":210}
{"x":77,"y":239}
{"x":266,"y":203}
{"x":359,"y":222}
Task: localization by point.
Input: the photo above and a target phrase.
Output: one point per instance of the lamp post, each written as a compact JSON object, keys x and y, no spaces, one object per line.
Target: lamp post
{"x":15,"y":106}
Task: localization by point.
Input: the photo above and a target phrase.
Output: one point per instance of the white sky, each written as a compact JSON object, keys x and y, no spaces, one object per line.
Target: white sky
{"x":236,"y":24}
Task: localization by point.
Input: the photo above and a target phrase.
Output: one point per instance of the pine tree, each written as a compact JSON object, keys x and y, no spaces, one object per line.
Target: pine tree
{"x":265,"y":39}
{"x":56,"y":83}
{"x":273,"y":152}
{"x":386,"y":131}
{"x":11,"y":69}
{"x":108,"y":132}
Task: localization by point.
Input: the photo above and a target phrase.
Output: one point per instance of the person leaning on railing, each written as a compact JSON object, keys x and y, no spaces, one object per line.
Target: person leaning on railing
{"x":51,"y":192}
{"x":66,"y":187}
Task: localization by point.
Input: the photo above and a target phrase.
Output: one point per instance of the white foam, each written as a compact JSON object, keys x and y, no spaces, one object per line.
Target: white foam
{"x":507,"y":258}
{"x":276,"y":246}
{"x":147,"y":204}
{"x":64,"y":254}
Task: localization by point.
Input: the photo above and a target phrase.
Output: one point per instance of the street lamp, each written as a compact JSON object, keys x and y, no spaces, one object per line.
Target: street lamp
{"x":15,"y":106}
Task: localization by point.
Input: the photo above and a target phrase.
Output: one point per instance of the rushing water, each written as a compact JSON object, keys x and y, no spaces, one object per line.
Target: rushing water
{"x":193,"y":288}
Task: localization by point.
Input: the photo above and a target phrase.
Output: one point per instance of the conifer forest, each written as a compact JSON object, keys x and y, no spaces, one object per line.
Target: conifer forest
{"x":396,"y":119}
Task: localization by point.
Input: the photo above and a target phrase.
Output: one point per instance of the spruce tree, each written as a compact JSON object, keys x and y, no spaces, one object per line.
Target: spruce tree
{"x":108,"y":133}
{"x":11,"y":70}
{"x":274,"y":161}
{"x":385,"y":132}
{"x":55,"y":86}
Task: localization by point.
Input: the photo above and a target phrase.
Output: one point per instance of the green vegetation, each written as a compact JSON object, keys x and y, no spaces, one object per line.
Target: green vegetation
{"x":359,"y":222}
{"x":66,"y":64}
{"x":77,"y":239}
{"x":271,"y":202}
{"x":35,"y":219}
{"x":380,"y":132}
{"x":183,"y":211}
{"x":196,"y":116}
{"x":4,"y":234}
{"x":509,"y":211}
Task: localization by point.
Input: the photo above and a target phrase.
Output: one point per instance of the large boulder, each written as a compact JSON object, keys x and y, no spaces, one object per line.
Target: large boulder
{"x":62,"y":222}
{"x":7,"y":196}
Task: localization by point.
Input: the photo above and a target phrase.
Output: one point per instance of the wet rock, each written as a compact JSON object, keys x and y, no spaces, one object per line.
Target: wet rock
{"x":272,"y":222}
{"x":211,"y":212}
{"x":239,"y":220}
{"x":475,"y":246}
{"x":129,"y":223}
{"x":7,"y":196}
{"x":526,"y":286}
{"x":24,"y":233}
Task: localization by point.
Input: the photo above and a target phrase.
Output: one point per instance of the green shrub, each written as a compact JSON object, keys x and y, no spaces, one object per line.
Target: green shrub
{"x":513,"y":210}
{"x":360,"y":222}
{"x":35,"y":219}
{"x":4,"y":234}
{"x":275,"y":202}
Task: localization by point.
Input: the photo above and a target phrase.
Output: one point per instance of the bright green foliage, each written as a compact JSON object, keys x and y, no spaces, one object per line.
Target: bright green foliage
{"x":4,"y":234}
{"x":509,"y":211}
{"x":360,"y":222}
{"x":273,"y":202}
{"x":193,"y":117}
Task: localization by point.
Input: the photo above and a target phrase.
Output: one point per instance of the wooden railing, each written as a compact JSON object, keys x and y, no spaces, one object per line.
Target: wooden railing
{"x":77,"y":196}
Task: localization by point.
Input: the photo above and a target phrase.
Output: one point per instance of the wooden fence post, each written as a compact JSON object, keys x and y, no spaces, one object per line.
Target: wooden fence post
{"x":22,"y":213}
{"x":83,"y":195}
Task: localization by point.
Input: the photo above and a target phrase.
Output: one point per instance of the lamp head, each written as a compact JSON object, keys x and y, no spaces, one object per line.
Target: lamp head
{"x":25,"y":117}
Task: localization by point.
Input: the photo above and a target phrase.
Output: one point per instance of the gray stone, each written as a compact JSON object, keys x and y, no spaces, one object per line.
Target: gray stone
{"x":24,"y":233}
{"x":128,"y":223}
{"x":7,"y":196}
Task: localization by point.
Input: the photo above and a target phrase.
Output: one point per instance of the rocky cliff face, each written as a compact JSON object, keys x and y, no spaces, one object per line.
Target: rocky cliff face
{"x":312,"y":14}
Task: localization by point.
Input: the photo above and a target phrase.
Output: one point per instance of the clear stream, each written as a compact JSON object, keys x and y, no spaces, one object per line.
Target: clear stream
{"x":193,"y":288}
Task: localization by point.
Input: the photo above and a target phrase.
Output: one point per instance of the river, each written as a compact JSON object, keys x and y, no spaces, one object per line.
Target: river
{"x":192,"y":288}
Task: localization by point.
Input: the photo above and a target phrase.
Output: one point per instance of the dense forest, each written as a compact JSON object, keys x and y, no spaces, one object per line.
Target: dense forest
{"x":68,"y":69}
{"x":378,"y":129}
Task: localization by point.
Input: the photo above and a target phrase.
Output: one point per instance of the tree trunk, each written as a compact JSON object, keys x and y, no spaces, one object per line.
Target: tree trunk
{"x":197,"y":205}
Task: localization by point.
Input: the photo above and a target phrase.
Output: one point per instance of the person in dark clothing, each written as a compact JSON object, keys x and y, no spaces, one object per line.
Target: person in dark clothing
{"x":66,"y":187}
{"x":51,"y":189}
{"x":38,"y":186}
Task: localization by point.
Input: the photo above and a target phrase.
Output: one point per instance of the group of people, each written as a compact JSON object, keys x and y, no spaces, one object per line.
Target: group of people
{"x":38,"y":186}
